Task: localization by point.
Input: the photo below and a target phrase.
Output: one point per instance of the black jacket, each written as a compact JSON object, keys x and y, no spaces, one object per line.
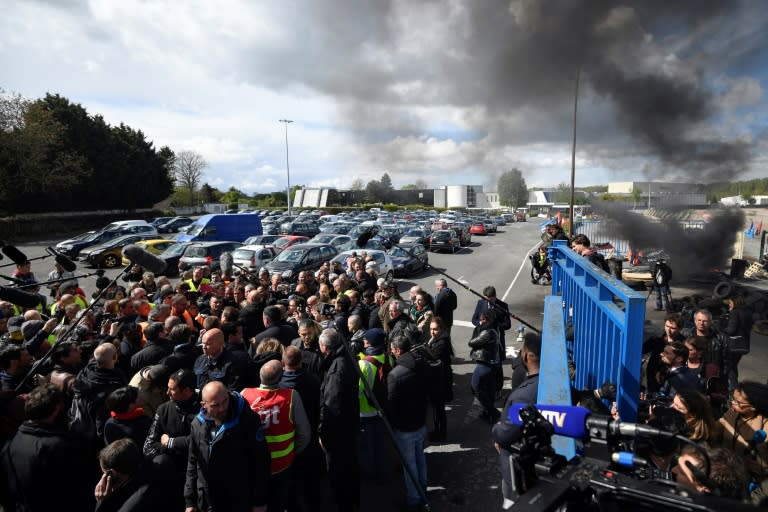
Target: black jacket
{"x":135,"y":428}
{"x":229,"y":368}
{"x":739,"y":322}
{"x":41,"y":465}
{"x":485,"y":346}
{"x":230,"y":472}
{"x":175,"y":420}
{"x":152,"y":353}
{"x":145,"y":491}
{"x":252,"y":318}
{"x":407,"y":395}
{"x":284,"y":333}
{"x":92,"y":386}
{"x":445,"y":303}
{"x":307,"y":386}
{"x":441,"y":349}
{"x":339,"y":405}
{"x":184,"y":355}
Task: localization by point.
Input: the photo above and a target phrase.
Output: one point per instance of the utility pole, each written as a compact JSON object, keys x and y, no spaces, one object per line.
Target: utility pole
{"x":573,"y":149}
{"x":287,"y":166}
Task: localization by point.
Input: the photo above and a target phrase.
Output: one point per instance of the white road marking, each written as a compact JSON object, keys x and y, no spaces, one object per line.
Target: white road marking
{"x":463,"y":323}
{"x":522,"y":264}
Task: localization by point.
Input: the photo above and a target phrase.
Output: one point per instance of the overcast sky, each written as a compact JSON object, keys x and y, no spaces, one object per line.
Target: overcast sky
{"x":449,"y":91}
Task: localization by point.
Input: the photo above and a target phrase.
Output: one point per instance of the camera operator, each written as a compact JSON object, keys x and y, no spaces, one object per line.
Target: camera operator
{"x":661,"y":453}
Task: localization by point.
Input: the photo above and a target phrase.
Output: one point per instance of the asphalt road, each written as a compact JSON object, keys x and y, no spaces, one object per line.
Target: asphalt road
{"x":463,"y":472}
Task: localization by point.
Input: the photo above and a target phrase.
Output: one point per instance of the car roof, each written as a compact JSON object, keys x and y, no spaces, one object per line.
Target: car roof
{"x":212,"y":243}
{"x":255,"y":247}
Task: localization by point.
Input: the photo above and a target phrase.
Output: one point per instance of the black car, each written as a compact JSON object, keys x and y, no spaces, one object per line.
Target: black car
{"x":444,"y":240}
{"x":72,"y":247}
{"x":408,"y":259}
{"x":300,"y":257}
{"x":173,"y":225}
{"x":109,"y":254}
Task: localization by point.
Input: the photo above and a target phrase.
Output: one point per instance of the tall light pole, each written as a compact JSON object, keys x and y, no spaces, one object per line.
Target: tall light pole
{"x":287,"y":166}
{"x":573,"y":149}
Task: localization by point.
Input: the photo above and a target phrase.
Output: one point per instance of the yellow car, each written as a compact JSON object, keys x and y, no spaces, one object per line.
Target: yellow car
{"x":156,"y":246}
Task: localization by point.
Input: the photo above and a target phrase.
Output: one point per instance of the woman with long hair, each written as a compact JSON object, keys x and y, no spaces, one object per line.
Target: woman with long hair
{"x":747,"y":415}
{"x":423,"y":313}
{"x":698,"y":415}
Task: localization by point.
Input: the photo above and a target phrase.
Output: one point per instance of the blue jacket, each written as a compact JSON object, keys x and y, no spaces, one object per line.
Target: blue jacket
{"x":228,"y":468}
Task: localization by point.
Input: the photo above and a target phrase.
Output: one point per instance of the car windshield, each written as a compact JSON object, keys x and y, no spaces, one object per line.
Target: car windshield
{"x":117,"y":241}
{"x":414,"y":232}
{"x":441,"y":235}
{"x":195,"y":229}
{"x":196,"y":252}
{"x":291,"y":256}
{"x":397,"y":252}
{"x":173,"y":250}
{"x":242,"y":254}
{"x":282,"y":242}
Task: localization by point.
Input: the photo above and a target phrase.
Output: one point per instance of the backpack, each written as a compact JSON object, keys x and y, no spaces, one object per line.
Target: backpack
{"x":430,"y":370}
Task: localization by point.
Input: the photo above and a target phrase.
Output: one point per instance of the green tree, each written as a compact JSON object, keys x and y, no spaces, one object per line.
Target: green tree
{"x":512,"y":189}
{"x":357,"y":185}
{"x":635,"y":196}
{"x":234,"y":196}
{"x":208,"y":194}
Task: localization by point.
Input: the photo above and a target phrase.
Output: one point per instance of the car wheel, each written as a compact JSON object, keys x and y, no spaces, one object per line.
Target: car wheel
{"x":389,"y":276}
{"x":110,"y":261}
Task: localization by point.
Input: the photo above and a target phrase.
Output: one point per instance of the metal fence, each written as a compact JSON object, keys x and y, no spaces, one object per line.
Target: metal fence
{"x":606,"y":318}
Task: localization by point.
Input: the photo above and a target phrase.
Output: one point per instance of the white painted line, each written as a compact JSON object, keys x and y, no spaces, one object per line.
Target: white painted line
{"x":522,"y":264}
{"x":463,"y":323}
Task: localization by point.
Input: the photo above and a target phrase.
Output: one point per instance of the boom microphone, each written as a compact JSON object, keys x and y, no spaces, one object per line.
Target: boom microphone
{"x":18,"y":297}
{"x":66,"y":263}
{"x":366,"y":235}
{"x":577,"y":422}
{"x":139,"y":256}
{"x":225,"y":262}
{"x":16,"y":255}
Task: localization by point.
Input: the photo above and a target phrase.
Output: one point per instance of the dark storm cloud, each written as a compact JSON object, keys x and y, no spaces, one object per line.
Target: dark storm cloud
{"x":646,"y":69}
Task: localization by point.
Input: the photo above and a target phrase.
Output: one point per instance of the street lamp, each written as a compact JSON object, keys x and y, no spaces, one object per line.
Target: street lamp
{"x":287,"y":167}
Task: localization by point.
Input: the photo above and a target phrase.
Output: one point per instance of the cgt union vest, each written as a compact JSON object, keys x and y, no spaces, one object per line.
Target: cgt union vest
{"x":273,"y":405}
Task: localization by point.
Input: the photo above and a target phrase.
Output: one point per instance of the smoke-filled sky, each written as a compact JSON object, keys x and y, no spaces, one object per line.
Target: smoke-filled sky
{"x":447,"y":91}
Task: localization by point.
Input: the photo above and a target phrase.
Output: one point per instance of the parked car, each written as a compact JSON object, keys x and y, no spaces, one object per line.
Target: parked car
{"x":155,"y":246}
{"x":206,"y":253}
{"x":414,"y":236}
{"x":300,"y":257}
{"x":409,"y":259}
{"x":334,"y":240}
{"x":72,"y":247}
{"x":285,"y":242}
{"x":370,"y":245}
{"x":171,"y":257}
{"x":478,"y":228}
{"x":462,"y":231}
{"x":174,"y":225}
{"x":302,"y":227}
{"x":444,"y":240}
{"x":490,"y":226}
{"x":157,"y":221}
{"x":261,"y":240}
{"x":253,"y":257}
{"x":110,"y":253}
{"x":384,"y":266}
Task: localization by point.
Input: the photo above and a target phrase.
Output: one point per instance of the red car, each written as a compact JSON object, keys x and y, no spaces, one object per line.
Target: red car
{"x":285,"y":242}
{"x":478,"y":228}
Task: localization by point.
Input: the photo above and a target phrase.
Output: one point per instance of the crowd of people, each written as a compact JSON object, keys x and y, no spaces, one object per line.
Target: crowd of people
{"x":221,"y":392}
{"x":690,"y":385}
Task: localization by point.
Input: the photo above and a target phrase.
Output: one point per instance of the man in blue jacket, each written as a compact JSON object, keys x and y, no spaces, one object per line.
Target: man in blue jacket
{"x":229,"y":464}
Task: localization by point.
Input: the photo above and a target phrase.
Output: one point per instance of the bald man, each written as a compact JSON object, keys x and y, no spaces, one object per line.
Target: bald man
{"x":286,"y":428}
{"x":228,"y":464}
{"x":218,"y":363}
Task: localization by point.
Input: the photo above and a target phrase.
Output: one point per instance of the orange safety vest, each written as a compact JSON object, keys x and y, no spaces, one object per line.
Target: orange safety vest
{"x":273,"y":406}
